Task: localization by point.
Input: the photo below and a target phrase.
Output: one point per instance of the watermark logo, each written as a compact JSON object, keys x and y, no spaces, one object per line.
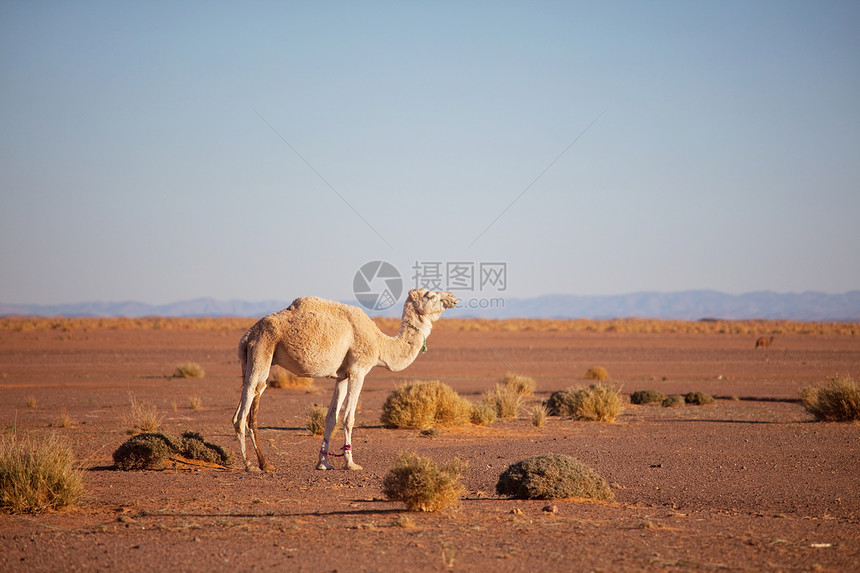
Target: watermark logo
{"x":461,"y":276}
{"x":377,"y":285}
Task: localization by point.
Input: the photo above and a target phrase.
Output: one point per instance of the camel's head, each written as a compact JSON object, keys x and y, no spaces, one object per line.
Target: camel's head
{"x":430,"y":303}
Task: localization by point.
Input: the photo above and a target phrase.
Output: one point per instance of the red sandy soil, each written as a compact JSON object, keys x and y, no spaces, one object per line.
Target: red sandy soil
{"x":750,"y":483}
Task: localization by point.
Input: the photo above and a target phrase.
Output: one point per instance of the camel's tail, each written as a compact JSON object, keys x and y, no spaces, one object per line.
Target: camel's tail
{"x":243,"y":355}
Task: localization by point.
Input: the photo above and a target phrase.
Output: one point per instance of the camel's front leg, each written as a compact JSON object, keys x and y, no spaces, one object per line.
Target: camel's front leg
{"x":353,"y":391}
{"x":337,"y":399}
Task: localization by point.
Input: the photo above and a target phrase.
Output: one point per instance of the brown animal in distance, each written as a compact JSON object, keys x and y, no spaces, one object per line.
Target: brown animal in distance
{"x":763,"y":342}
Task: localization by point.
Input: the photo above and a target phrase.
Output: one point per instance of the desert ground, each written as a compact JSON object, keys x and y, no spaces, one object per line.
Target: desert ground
{"x":749,"y":483}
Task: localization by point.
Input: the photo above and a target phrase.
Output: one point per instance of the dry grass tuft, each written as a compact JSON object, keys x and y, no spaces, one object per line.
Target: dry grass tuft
{"x":195,"y":402}
{"x":553,"y":476}
{"x":37,"y":474}
{"x":596,"y":403}
{"x":647,"y":397}
{"x":422,"y":404}
{"x":189,"y":370}
{"x":506,"y":400}
{"x":673,"y":401}
{"x":63,"y":419}
{"x":315,"y":419}
{"x":31,"y":401}
{"x":598,"y":373}
{"x":483,"y":414}
{"x":522,"y":385}
{"x":837,"y":401}
{"x":699,"y":399}
{"x":143,"y":416}
{"x":422,"y":484}
{"x":538,"y":414}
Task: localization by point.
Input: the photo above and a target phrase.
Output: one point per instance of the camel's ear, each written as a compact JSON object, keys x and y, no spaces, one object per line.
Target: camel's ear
{"x":449,"y":300}
{"x":417,"y":293}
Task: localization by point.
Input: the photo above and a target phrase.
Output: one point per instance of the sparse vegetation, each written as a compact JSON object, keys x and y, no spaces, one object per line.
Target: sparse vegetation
{"x":552,"y":476}
{"x":597,"y":402}
{"x":422,"y":404}
{"x":598,"y":373}
{"x":143,"y":416}
{"x":63,"y":419}
{"x":31,"y":401}
{"x":189,"y":370}
{"x":522,"y":385}
{"x":157,"y":450}
{"x":673,"y":401}
{"x":647,"y":397}
{"x":699,"y":399}
{"x":283,"y":378}
{"x":195,"y":402}
{"x":506,"y":400}
{"x":483,"y":414}
{"x":37,"y":475}
{"x":837,"y":401}
{"x":538,"y":414}
{"x":422,"y":484}
{"x":315,"y":419}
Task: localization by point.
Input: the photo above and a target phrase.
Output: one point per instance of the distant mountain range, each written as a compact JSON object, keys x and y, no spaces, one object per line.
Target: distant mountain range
{"x":686,"y":305}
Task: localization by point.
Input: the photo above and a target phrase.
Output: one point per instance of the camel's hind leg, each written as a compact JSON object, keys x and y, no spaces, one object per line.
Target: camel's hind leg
{"x":252,"y":424}
{"x":252,"y":388}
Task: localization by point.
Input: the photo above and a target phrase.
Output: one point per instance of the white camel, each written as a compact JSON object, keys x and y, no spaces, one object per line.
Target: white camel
{"x":324,"y":339}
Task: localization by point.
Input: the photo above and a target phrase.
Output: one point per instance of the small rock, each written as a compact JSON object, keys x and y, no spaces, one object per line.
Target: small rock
{"x":550,"y":509}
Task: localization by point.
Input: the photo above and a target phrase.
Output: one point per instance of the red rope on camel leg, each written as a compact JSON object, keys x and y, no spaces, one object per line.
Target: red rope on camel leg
{"x":346,"y":448}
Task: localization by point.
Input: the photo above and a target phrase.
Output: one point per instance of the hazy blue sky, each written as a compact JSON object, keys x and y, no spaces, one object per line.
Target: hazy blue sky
{"x":139,"y":157}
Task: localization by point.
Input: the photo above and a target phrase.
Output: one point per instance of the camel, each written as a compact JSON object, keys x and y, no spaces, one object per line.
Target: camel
{"x":763,"y":342}
{"x":324,"y":339}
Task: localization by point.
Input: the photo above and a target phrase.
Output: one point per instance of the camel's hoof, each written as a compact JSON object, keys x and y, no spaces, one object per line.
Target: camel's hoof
{"x":268,"y":469}
{"x":323,"y":466}
{"x":251,"y":469}
{"x":353,"y":466}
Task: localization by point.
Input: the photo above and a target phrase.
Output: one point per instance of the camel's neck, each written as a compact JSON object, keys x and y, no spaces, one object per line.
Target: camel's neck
{"x":399,"y":351}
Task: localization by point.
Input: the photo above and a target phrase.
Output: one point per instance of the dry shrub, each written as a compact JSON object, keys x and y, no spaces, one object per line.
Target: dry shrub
{"x":195,"y":402}
{"x":283,"y":378}
{"x":422,"y":484}
{"x":31,"y":401}
{"x":424,"y":403}
{"x":522,"y":385}
{"x":37,"y":474}
{"x":647,"y":397}
{"x":483,"y":414}
{"x":552,"y":476}
{"x":837,"y":401}
{"x":63,"y":419}
{"x":596,"y":403}
{"x":143,"y":416}
{"x":315,"y":419}
{"x":189,"y":370}
{"x":598,"y":373}
{"x":699,"y":399}
{"x":673,"y":401}
{"x":156,"y":450}
{"x":538,"y":415}
{"x":505,"y":400}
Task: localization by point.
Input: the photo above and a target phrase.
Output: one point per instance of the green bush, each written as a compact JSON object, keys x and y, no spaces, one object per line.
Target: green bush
{"x":699,"y":399}
{"x":647,"y":397}
{"x":552,"y":476}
